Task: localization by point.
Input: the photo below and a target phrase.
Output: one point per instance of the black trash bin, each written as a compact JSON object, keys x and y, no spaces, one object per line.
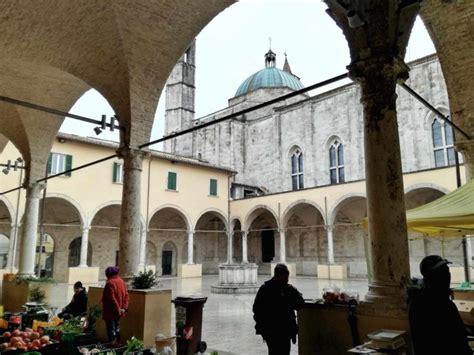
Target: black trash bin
{"x":189,"y":325}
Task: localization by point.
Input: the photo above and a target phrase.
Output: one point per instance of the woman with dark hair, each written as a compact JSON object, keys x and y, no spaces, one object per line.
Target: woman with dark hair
{"x":114,"y":303}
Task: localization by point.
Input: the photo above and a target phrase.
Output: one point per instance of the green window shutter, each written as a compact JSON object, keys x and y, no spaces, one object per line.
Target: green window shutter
{"x":213,"y":187}
{"x":171,"y":181}
{"x":115,"y":172}
{"x":68,"y":164}
{"x":50,"y":163}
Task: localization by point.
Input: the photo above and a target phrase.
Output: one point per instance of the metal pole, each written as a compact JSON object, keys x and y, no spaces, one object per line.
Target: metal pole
{"x":40,"y":251}
{"x":15,"y":236}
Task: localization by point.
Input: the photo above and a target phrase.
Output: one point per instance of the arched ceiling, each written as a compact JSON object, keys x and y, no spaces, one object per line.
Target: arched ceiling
{"x":451,"y":28}
{"x":124,"y":49}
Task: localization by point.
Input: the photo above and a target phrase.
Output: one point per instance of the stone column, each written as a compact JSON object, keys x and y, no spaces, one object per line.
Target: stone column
{"x":388,"y":240}
{"x":330,"y":236}
{"x":130,"y":221}
{"x":142,"y":261}
{"x":84,"y":247}
{"x":282,"y":246}
{"x":245,"y":259}
{"x":30,"y":230}
{"x":230,"y":246}
{"x":377,"y":36}
{"x":11,"y":246}
{"x":190,"y":247}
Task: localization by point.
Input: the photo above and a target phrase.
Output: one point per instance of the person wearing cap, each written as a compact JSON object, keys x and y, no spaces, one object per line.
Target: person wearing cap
{"x":78,"y":304}
{"x":114,"y":303}
{"x":274,"y":312}
{"x":435,"y":324}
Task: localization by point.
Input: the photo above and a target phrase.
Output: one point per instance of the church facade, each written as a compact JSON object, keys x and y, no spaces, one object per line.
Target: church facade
{"x":312,"y":144}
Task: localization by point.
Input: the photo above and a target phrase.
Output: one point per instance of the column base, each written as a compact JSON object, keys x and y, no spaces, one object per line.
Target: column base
{"x":332,"y":271}
{"x":189,"y":270}
{"x":385,"y":300}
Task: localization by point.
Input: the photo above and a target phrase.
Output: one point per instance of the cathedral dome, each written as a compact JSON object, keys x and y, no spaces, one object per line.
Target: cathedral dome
{"x":270,"y":77}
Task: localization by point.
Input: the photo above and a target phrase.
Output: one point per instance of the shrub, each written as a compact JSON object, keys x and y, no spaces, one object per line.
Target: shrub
{"x":145,"y":280}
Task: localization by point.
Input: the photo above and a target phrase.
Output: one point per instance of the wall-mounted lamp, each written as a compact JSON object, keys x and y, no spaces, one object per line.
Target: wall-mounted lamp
{"x":15,"y":166}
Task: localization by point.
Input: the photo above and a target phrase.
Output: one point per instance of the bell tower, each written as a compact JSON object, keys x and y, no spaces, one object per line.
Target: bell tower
{"x":180,"y":91}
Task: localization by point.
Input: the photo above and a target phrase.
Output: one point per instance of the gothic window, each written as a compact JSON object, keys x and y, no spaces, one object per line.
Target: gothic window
{"x":336,"y":162}
{"x":443,"y":143}
{"x":297,"y":170}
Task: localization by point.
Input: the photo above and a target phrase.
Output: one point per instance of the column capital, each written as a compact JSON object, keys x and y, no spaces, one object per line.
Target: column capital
{"x":33,"y":189}
{"x":378,"y":68}
{"x":329,"y":227}
{"x":133,"y":155}
{"x":86,"y":228}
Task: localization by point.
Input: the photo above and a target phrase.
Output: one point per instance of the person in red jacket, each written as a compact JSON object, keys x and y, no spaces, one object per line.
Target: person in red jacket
{"x":114,"y":302}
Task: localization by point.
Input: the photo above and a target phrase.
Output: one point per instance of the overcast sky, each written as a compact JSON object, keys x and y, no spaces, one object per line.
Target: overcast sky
{"x":232,"y":47}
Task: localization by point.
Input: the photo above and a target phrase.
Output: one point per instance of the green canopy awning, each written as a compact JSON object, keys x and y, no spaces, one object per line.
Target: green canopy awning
{"x":449,"y":216}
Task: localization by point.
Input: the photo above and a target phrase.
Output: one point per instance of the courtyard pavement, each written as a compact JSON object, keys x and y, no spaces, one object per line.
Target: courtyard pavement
{"x":228,"y":325}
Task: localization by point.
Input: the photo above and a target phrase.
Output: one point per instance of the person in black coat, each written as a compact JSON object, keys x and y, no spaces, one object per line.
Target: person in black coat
{"x":435,"y":324}
{"x":274,"y":312}
{"x":78,"y":304}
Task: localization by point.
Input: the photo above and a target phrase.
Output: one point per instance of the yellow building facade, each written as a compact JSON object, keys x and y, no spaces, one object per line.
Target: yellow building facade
{"x":186,"y":202}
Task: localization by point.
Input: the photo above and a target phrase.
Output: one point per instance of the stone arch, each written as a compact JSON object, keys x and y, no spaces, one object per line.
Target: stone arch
{"x":62,"y":220}
{"x":305,"y":232}
{"x":82,"y":214}
{"x":169,"y":258}
{"x":168,"y":222}
{"x":427,"y":185}
{"x":292,"y":148}
{"x":298,"y":202}
{"x":339,"y":203}
{"x":421,"y":194}
{"x":178,"y":210}
{"x":7,"y":218}
{"x":98,"y":208}
{"x":262,"y":227}
{"x":419,"y":247}
{"x":430,"y":115}
{"x":249,"y":218}
{"x":9,"y":208}
{"x":210,"y":234}
{"x":332,"y":138}
{"x":218,"y":213}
